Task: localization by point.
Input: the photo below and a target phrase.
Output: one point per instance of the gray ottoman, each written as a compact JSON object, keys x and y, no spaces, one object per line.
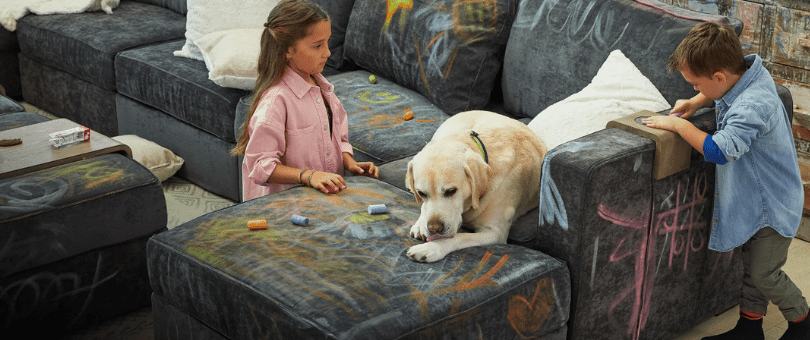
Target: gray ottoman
{"x":344,"y":276}
{"x":74,"y":240}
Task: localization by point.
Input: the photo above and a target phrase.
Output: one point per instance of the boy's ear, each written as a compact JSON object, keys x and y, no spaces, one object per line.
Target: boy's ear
{"x":720,"y":77}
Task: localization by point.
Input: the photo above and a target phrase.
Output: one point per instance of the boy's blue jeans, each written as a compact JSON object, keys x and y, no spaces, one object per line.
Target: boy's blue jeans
{"x":763,"y":279}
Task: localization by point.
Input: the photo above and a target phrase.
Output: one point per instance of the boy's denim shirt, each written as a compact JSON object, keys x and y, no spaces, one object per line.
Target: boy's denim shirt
{"x":760,"y":185}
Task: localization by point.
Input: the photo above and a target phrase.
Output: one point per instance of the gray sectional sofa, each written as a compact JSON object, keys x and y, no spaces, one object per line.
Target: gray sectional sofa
{"x":635,"y":246}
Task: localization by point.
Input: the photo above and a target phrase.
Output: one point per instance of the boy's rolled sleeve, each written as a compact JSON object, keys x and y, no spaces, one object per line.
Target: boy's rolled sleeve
{"x":738,"y":133}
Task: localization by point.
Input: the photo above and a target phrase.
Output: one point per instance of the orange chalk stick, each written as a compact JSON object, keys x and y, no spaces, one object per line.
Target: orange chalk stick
{"x":408,"y":116}
{"x":257,"y":224}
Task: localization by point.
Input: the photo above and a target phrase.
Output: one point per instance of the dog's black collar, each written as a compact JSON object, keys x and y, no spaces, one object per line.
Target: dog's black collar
{"x":481,"y":147}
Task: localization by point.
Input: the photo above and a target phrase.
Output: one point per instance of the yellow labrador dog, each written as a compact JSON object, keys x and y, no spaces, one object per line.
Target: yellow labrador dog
{"x":480,"y":169}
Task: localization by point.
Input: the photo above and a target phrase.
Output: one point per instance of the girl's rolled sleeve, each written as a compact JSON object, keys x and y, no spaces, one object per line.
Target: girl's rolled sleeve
{"x":264,"y":151}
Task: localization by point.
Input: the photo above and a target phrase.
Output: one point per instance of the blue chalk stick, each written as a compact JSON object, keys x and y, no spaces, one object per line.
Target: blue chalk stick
{"x":377,"y":209}
{"x":299,"y":220}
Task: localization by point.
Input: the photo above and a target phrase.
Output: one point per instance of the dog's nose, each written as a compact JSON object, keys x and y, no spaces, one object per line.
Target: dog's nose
{"x":435,"y":226}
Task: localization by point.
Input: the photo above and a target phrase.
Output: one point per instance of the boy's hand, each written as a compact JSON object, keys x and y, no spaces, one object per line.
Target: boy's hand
{"x":683,"y":108}
{"x":669,"y":123}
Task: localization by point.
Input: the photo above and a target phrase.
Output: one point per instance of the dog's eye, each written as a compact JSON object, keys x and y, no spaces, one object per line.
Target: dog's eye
{"x":421,"y":194}
{"x":449,"y":192}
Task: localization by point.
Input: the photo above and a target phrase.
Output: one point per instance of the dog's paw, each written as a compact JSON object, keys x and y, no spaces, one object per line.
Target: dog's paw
{"x":416,"y":232}
{"x":426,"y":252}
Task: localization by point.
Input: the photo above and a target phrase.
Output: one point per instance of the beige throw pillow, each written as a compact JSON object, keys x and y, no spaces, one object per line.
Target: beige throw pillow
{"x":207,"y":16}
{"x":618,"y":89}
{"x":161,"y":161}
{"x":232,"y":56}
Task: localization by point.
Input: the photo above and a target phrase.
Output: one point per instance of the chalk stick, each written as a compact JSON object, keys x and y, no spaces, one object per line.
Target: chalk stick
{"x":408,"y":115}
{"x":299,"y":220}
{"x":257,"y":224}
{"x":377,"y":209}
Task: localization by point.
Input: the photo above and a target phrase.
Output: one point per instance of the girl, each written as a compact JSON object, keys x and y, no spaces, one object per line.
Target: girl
{"x":296,"y":131}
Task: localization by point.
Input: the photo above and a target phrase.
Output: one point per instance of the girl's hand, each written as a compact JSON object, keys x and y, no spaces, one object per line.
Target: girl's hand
{"x":364,"y":169}
{"x":326,"y":182}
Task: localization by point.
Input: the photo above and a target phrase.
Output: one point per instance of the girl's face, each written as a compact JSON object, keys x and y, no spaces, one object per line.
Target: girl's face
{"x":308,"y":56}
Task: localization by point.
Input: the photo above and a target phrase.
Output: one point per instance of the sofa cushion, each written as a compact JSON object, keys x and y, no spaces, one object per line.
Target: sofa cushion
{"x":346,"y":274}
{"x":179,"y":87}
{"x":178,"y":6}
{"x":59,"y":212}
{"x":9,"y":105}
{"x":377,"y":130}
{"x":450,"y":51}
{"x":85,"y":44}
{"x":556,"y":48}
{"x":339,"y":12}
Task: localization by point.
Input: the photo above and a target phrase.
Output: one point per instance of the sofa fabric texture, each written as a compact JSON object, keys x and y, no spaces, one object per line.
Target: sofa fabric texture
{"x":449,"y":51}
{"x":66,"y":210}
{"x":185,"y":92}
{"x":207,"y":161}
{"x":68,"y":96}
{"x":75,"y":239}
{"x":637,"y":257}
{"x":86,"y":48}
{"x":572,"y":38}
{"x":378,"y":131}
{"x":346,"y":275}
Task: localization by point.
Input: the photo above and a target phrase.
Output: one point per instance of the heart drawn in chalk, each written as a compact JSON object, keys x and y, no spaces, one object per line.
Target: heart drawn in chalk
{"x":527,"y":316}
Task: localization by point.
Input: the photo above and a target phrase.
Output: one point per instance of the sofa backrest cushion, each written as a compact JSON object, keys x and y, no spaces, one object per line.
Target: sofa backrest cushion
{"x":339,"y":12}
{"x":557,"y":46}
{"x":449,"y":51}
{"x":178,"y":6}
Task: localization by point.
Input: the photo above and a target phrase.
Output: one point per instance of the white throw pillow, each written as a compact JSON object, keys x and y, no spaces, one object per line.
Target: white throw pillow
{"x":206,"y":16}
{"x":618,"y":89}
{"x":160,"y":161}
{"x":232,"y":56}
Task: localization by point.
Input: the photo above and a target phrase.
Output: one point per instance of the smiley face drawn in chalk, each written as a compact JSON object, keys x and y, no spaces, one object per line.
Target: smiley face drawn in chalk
{"x":378,"y":98}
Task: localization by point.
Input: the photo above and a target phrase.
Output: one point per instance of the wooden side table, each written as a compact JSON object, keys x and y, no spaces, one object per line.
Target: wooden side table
{"x":36,"y":151}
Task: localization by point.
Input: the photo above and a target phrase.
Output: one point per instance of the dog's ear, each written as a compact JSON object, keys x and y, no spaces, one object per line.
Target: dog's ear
{"x":478,"y":173}
{"x":409,"y":183}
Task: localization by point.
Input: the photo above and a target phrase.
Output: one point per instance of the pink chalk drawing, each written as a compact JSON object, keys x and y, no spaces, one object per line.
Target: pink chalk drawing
{"x":679,"y":225}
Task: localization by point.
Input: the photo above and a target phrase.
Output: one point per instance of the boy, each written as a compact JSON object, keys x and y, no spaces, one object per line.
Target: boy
{"x":758,"y":194}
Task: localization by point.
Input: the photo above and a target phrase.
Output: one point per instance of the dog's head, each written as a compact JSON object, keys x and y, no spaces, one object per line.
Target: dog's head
{"x":447,"y":180}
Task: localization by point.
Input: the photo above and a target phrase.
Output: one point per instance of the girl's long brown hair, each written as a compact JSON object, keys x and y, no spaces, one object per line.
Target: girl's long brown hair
{"x":287,"y":23}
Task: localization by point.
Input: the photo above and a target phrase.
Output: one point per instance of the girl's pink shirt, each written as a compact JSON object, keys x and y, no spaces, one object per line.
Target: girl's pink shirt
{"x":291,"y":127}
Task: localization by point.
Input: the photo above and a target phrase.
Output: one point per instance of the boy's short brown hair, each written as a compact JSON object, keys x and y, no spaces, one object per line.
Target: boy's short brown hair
{"x":708,"y":48}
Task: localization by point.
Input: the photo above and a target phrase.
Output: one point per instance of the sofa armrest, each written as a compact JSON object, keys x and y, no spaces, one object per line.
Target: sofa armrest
{"x":636,"y":248}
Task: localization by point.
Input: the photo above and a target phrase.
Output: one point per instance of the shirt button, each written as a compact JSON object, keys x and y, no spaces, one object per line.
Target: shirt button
{"x":329,"y":153}
{"x":325,"y":127}
{"x":318,"y":100}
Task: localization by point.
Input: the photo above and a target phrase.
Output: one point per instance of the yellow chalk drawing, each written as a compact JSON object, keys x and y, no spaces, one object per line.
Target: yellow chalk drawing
{"x":379,"y":97}
{"x":475,"y":19}
{"x":393,"y":6}
{"x":365,"y":217}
